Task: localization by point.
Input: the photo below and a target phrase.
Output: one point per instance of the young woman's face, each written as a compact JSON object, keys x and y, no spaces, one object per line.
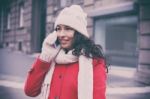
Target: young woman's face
{"x":65,"y":36}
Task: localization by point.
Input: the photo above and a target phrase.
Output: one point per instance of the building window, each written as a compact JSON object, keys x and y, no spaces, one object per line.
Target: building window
{"x":56,"y":4}
{"x":64,"y":3}
{"x":118,"y":36}
{"x":77,"y":1}
{"x":8,"y":19}
{"x":21,"y":15}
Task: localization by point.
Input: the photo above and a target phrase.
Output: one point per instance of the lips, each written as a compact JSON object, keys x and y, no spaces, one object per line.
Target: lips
{"x":64,"y":41}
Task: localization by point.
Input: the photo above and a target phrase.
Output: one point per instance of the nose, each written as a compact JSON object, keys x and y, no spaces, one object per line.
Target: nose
{"x":61,"y":33}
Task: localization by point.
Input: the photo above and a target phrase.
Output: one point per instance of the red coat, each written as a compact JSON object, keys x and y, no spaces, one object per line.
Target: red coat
{"x":64,"y":80}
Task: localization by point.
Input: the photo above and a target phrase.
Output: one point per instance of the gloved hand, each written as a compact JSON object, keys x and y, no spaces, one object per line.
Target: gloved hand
{"x":49,"y":51}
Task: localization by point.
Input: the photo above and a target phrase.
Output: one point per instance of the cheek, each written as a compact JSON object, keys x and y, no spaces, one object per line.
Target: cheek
{"x":71,"y":34}
{"x":69,"y":44}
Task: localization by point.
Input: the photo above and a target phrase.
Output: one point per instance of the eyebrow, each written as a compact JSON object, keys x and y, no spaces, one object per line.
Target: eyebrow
{"x":65,"y":26}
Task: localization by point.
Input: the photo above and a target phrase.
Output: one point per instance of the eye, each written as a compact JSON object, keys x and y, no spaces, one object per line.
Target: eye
{"x":68,"y":28}
{"x":57,"y":28}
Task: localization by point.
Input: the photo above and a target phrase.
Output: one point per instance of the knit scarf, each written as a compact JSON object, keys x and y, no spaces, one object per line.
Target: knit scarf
{"x":85,"y":74}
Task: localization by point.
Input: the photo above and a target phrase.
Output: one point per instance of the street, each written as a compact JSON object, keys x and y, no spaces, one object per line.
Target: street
{"x":14,"y":93}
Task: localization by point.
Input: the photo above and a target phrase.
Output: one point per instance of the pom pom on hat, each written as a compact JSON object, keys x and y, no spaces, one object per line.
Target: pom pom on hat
{"x":75,"y":17}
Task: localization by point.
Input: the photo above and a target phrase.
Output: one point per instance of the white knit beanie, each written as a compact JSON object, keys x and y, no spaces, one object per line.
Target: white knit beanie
{"x":75,"y":17}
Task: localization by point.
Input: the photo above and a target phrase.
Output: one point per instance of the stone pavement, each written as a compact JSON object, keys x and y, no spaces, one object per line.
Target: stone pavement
{"x":121,"y":84}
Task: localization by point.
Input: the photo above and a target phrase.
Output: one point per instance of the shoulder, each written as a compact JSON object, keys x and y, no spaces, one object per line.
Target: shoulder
{"x":98,"y":61}
{"x":99,"y":67}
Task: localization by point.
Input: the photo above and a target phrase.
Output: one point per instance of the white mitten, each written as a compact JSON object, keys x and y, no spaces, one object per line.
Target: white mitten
{"x":49,"y":51}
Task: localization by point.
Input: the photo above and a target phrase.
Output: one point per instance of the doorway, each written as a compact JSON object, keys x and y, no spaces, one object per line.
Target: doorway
{"x":38,"y":28}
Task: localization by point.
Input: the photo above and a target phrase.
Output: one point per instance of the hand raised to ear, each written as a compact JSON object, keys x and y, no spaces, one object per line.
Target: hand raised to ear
{"x":49,"y":51}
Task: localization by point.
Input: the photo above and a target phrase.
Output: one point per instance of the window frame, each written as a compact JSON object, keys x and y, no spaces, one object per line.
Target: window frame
{"x":21,"y":15}
{"x":8,"y":26}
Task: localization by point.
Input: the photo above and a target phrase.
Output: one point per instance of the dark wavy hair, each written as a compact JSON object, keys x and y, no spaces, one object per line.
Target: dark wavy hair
{"x":85,"y":46}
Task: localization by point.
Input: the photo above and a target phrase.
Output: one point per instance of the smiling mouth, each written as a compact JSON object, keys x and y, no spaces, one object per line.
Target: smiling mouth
{"x":63,"y":41}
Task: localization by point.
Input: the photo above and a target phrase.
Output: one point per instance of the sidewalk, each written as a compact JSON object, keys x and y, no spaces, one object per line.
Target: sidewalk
{"x":121,"y":84}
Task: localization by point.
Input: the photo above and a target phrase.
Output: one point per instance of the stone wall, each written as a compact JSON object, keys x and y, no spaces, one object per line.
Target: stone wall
{"x":143,"y":71}
{"x":16,"y":37}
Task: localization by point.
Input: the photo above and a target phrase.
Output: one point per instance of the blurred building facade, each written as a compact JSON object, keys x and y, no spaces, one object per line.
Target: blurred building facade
{"x":120,"y":26}
{"x":143,"y":70}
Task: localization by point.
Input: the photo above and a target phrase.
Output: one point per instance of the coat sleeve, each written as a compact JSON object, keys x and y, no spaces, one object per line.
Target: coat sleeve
{"x":36,"y":77}
{"x":99,"y":79}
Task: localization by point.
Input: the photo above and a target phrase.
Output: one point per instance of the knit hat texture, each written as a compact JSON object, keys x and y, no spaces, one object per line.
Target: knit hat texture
{"x":75,"y":17}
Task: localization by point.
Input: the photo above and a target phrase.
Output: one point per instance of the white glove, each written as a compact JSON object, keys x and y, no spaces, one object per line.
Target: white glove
{"x":49,"y":51}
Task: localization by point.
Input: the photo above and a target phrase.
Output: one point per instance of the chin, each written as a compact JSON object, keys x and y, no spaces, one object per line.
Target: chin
{"x":64,"y":47}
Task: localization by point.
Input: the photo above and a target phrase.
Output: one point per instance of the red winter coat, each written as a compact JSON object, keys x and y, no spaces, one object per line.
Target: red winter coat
{"x":64,"y":80}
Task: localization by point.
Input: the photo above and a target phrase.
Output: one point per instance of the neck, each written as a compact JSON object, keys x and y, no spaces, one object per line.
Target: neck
{"x":67,"y":50}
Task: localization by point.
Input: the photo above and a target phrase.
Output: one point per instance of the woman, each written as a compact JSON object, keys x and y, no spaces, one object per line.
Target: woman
{"x":70,"y":65}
